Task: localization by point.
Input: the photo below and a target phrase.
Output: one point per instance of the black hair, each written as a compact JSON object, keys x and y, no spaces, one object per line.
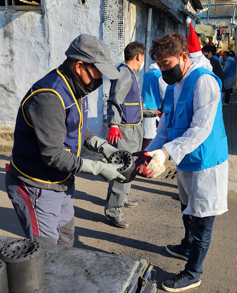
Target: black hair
{"x":172,"y":43}
{"x":209,"y":48}
{"x":133,"y":49}
{"x":232,"y":53}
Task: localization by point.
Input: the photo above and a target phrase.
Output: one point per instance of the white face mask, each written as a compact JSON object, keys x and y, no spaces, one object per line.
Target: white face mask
{"x":141,"y":66}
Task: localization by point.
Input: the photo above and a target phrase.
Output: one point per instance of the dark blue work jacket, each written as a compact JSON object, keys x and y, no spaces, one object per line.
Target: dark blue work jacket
{"x":132,"y":105}
{"x":26,"y":151}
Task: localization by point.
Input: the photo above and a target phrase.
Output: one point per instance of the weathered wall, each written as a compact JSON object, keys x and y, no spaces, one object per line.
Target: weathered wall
{"x":135,"y":27}
{"x":113,"y":15}
{"x":33,"y":43}
{"x":23,"y":55}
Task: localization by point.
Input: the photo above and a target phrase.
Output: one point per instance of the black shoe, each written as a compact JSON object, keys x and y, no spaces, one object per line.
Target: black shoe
{"x":176,"y":250}
{"x":130,"y":204}
{"x":180,"y":283}
{"x":118,"y":221}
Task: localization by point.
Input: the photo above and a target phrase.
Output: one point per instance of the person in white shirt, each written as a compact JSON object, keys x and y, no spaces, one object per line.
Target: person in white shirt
{"x":191,"y":134}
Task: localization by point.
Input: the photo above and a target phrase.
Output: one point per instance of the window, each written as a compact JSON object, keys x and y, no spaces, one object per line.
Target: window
{"x":21,"y":4}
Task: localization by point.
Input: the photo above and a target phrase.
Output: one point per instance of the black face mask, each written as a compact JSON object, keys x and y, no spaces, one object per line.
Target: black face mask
{"x":172,"y":75}
{"x":93,"y":84}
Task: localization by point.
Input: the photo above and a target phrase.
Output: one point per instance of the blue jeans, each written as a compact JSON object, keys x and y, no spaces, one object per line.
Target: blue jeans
{"x":227,"y":95}
{"x":197,"y":241}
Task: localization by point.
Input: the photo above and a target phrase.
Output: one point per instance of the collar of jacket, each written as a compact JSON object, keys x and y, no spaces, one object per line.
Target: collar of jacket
{"x":74,"y":84}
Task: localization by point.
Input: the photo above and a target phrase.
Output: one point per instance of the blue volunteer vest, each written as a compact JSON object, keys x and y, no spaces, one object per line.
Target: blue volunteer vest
{"x":232,"y":68}
{"x":213,"y":151}
{"x":26,"y":152}
{"x":150,"y":89}
{"x":132,"y":105}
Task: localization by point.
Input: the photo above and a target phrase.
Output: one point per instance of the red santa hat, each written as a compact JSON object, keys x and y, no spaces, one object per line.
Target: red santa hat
{"x":194,"y":46}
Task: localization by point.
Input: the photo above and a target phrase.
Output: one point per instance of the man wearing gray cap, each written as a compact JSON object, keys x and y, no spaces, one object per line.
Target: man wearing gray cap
{"x":49,"y":134}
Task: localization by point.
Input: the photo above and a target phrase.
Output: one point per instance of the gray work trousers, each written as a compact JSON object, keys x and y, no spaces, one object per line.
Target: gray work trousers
{"x":118,"y":192}
{"x":45,"y":215}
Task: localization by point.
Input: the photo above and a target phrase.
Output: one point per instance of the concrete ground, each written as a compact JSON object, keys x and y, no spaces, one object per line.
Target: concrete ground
{"x":155,"y":223}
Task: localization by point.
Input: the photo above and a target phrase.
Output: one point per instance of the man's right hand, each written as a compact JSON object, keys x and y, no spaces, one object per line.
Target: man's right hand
{"x":113,"y":134}
{"x":107,"y":171}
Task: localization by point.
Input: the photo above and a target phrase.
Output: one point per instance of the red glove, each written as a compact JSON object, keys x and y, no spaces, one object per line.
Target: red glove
{"x":113,"y":134}
{"x":8,"y":168}
{"x":141,"y":162}
{"x":159,"y":113}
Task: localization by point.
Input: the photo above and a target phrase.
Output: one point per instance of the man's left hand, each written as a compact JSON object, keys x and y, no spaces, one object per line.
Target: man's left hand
{"x":142,"y":161}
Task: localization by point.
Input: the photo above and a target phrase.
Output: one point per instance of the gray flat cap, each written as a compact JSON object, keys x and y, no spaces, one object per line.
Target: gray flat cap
{"x":90,"y":49}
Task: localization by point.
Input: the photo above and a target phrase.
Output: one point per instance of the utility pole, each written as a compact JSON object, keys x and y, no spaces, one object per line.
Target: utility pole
{"x":209,"y":2}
